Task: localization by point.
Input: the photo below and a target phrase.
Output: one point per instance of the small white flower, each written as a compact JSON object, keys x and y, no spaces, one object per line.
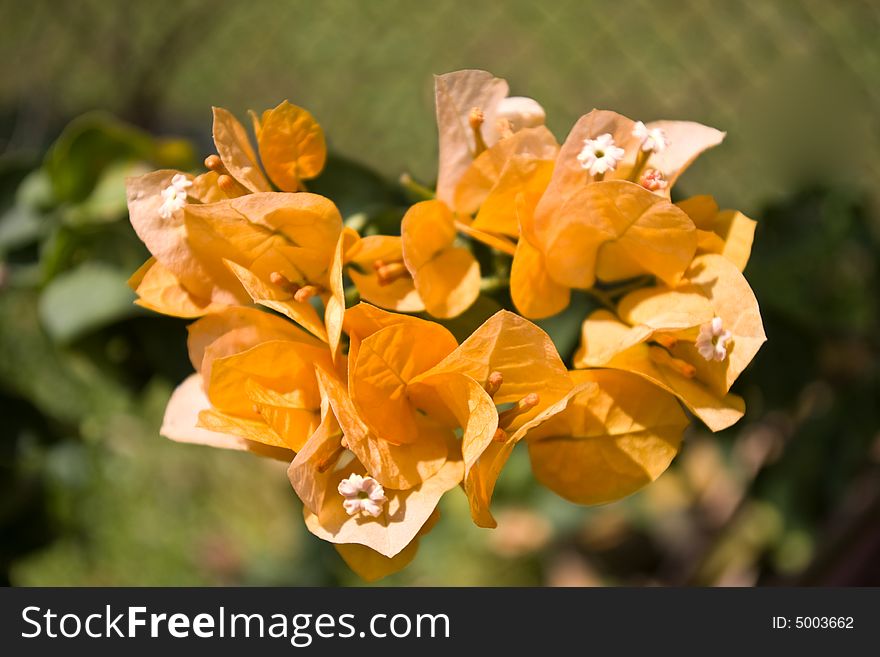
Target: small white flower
{"x":362,"y":494}
{"x":713,"y":340}
{"x":600,"y":155}
{"x":174,"y":196}
{"x":654,"y":140}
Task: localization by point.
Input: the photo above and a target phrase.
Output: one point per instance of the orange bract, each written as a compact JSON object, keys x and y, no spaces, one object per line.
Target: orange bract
{"x":382,"y":413}
{"x":446,"y":276}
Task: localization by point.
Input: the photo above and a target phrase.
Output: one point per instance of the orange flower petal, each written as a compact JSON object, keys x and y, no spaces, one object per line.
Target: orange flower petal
{"x":236,"y":153}
{"x":652,"y":232}
{"x":687,"y":140}
{"x":447,"y":277}
{"x":292,"y":146}
{"x":394,"y":466}
{"x":717,"y":411}
{"x":372,"y":566}
{"x":167,"y":240}
{"x":701,"y":209}
{"x":455,"y":94}
{"x":236,"y":329}
{"x":386,"y":362}
{"x":400,"y":294}
{"x":534,"y":293}
{"x":283,"y":414}
{"x":180,"y":423}
{"x":609,"y":441}
{"x":524,"y":355}
{"x":159,"y":290}
{"x":569,"y":176}
{"x":729,"y":233}
{"x":271,"y":296}
{"x":464,"y":403}
{"x":527,"y":146}
{"x":282,"y":366}
{"x":523,"y":181}
{"x":480,"y":482}
{"x":254,"y":431}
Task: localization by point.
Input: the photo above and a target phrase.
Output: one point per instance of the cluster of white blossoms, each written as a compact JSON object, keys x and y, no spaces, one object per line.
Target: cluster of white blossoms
{"x":174,"y":196}
{"x":601,"y":155}
{"x":362,"y":495}
{"x":713,"y":340}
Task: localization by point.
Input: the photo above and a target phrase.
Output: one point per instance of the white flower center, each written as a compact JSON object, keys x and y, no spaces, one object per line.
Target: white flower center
{"x":713,"y":340}
{"x":654,"y":140}
{"x":362,"y":495}
{"x":174,"y":196}
{"x":600,"y":155}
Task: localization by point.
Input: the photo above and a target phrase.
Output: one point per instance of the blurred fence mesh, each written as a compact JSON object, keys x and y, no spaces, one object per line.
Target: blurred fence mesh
{"x":794,"y":83}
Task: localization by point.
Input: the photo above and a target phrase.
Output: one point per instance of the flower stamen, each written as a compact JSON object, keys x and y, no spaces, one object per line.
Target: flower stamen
{"x":662,"y":357}
{"x":389,"y":271}
{"x":330,"y":460}
{"x":475,"y":120}
{"x":666,"y":340}
{"x":279,"y":279}
{"x":229,"y":186}
{"x":524,"y":405}
{"x":494,"y":383}
{"x":215,"y":164}
{"x":306,"y":292}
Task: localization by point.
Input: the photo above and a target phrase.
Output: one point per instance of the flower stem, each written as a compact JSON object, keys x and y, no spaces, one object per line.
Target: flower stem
{"x":415,"y":188}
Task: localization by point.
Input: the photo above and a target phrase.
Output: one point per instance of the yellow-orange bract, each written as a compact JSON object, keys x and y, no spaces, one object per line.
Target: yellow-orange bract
{"x":176,"y":281}
{"x":280,"y":249}
{"x":401,"y":418}
{"x":727,"y":232}
{"x":290,"y":143}
{"x":614,"y":435}
{"x":373,"y":547}
{"x":382,"y":413}
{"x":527,"y":362}
{"x":255,"y":380}
{"x":446,"y":276}
{"x":583,"y":229}
{"x":485,"y":169}
{"x":654,"y":331}
{"x":377,"y":269}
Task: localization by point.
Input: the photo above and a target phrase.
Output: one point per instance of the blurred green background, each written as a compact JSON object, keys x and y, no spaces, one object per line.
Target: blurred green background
{"x":91,"y":495}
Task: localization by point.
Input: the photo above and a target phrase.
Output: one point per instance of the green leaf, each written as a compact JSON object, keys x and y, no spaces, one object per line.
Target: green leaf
{"x":20,"y":226}
{"x":107,"y":202}
{"x":86,"y":147}
{"x":60,"y":384}
{"x":83,"y":299}
{"x":35,"y":192}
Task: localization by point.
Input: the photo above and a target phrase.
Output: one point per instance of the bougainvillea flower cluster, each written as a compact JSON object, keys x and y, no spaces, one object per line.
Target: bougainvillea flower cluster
{"x":331,"y":350}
